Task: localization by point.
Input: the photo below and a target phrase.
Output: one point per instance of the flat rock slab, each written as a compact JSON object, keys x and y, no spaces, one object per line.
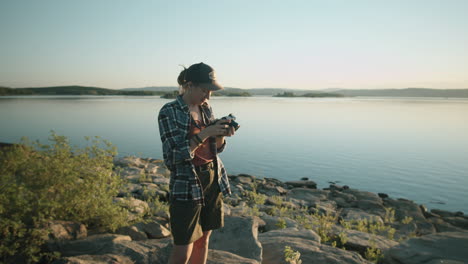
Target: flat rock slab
{"x":311,"y":251}
{"x":290,"y":232}
{"x":350,"y":214}
{"x":311,"y":196}
{"x":238,"y":236}
{"x":363,"y":195}
{"x":360,"y":241}
{"x":447,"y":247}
{"x":105,"y":244}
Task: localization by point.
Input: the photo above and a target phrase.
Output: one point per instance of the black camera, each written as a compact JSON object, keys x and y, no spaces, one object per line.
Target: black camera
{"x":233,"y":122}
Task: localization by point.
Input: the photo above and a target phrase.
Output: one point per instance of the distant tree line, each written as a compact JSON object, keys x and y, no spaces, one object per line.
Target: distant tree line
{"x":72,"y":90}
{"x":291,"y":94}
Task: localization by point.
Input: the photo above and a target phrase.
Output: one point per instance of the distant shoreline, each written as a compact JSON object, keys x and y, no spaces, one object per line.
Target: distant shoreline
{"x":163,"y":91}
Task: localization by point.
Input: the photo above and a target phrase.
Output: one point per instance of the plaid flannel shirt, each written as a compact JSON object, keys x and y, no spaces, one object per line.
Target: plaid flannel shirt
{"x":174,"y":126}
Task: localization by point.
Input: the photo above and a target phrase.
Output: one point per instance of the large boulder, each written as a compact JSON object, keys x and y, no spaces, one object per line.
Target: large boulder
{"x":132,"y":232}
{"x":239,"y":236}
{"x":66,"y":230}
{"x":153,"y":230}
{"x":145,"y":230}
{"x":446,"y":247}
{"x":311,"y":250}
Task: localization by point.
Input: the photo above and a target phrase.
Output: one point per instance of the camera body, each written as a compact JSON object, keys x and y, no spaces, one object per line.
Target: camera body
{"x":233,"y":122}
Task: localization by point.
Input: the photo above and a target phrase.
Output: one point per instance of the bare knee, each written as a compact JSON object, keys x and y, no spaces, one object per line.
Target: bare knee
{"x":180,"y":254}
{"x":203,"y":241}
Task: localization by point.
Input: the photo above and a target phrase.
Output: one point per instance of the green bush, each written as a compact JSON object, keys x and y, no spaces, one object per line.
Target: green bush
{"x":40,"y":183}
{"x":252,"y":198}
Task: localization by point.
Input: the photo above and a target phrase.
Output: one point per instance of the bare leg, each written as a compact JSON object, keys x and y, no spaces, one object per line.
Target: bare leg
{"x":180,"y":254}
{"x":200,"y":249}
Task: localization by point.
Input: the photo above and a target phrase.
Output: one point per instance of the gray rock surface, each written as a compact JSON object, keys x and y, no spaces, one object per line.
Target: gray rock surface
{"x":354,"y":214}
{"x":132,"y":232}
{"x":224,"y":257}
{"x":311,"y":196}
{"x":153,"y":230}
{"x":405,"y":208}
{"x":137,"y":251}
{"x":447,"y":246}
{"x":271,"y":222}
{"x":360,"y":241}
{"x":66,"y":230}
{"x":95,"y":259}
{"x":311,"y":251}
{"x":290,"y":232}
{"x":239,"y":236}
{"x":214,"y":257}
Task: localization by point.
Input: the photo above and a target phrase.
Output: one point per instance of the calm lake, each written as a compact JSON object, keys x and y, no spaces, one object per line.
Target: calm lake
{"x":414,"y":148}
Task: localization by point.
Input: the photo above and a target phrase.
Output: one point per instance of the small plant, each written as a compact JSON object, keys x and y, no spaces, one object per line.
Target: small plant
{"x":277,"y":200}
{"x":164,"y":187}
{"x":373,"y":254}
{"x":253,"y":198}
{"x":144,"y":177}
{"x":281,"y":212}
{"x":251,"y":211}
{"x":346,"y":224}
{"x":157,"y":207}
{"x":372,"y":227}
{"x":343,"y":239}
{"x":407,"y":220}
{"x":322,"y":224}
{"x":291,"y":256}
{"x":389,"y":217}
{"x":281,"y":224}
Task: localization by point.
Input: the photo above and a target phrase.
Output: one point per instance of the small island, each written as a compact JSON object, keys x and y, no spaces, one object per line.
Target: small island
{"x":314,"y":94}
{"x":173,"y":94}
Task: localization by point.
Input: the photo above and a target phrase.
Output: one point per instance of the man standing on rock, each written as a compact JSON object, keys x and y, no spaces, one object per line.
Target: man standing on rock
{"x":191,"y":140}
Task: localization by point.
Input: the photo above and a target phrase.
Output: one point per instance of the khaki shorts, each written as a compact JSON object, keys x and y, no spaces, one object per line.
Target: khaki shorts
{"x":189,"y":220}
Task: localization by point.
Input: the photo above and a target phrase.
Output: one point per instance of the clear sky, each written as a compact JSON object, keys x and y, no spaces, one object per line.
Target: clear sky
{"x":251,"y":44}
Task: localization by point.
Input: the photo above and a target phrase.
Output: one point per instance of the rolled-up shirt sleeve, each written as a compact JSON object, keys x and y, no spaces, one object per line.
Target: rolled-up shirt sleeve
{"x":221,"y":148}
{"x":175,"y":143}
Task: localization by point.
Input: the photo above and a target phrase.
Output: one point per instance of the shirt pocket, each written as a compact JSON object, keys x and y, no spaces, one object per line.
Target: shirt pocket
{"x":181,"y":188}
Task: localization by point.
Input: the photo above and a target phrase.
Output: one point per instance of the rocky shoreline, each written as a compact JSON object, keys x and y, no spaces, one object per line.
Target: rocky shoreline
{"x":270,"y":221}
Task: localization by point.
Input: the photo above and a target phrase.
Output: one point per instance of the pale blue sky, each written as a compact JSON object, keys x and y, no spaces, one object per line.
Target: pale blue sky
{"x":251,"y":44}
